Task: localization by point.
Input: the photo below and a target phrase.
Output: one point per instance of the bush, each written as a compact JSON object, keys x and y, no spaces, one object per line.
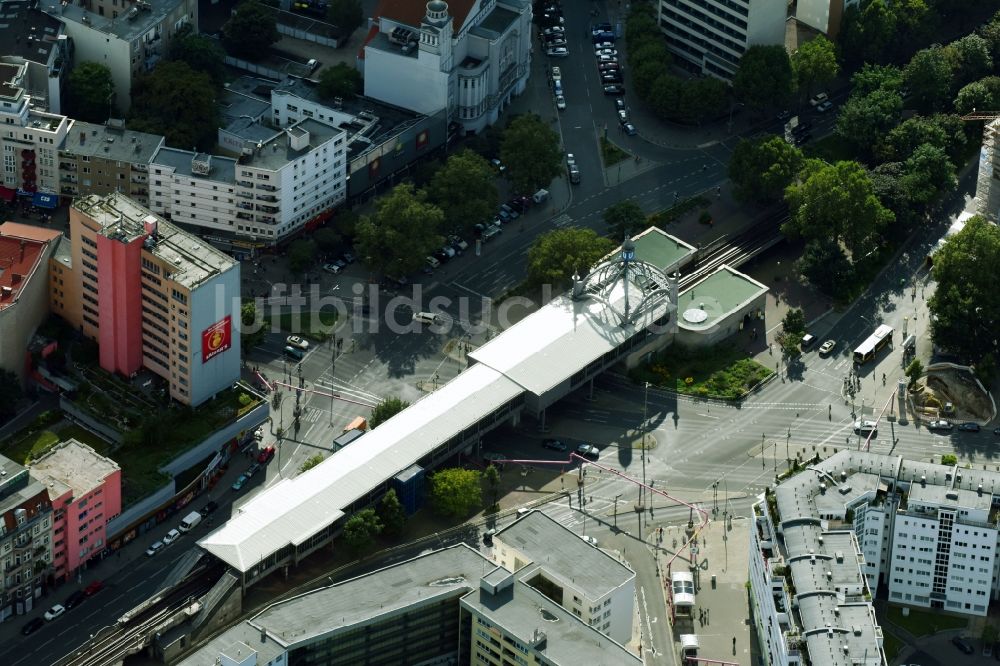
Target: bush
{"x":949,"y":459}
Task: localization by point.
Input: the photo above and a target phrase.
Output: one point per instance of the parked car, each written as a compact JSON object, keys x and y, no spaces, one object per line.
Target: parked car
{"x":553,"y":444}
{"x":349,"y":257}
{"x":622,"y":115}
{"x":253,"y":469}
{"x":510,"y":211}
{"x":560,"y":102}
{"x":331,"y":268}
{"x":824,"y":106}
{"x":557,"y":52}
{"x":620,"y":104}
{"x":589,"y":539}
{"x":240,"y":482}
{"x":94,"y":587}
{"x":498,"y":165}
{"x":520,"y":203}
{"x":969,"y":426}
{"x":611,"y":77}
{"x":553,"y":42}
{"x":296,"y":341}
{"x":491,"y":233}
{"x":457,"y":242}
{"x":265,"y":456}
{"x":433,"y":262}
{"x":154,"y":548}
{"x":962,"y":644}
{"x":32,"y":626}
{"x":939,"y":424}
{"x":208,"y":508}
{"x":818,"y":99}
{"x":996,"y":431}
{"x":554,"y":30}
{"x":630,"y":129}
{"x":75,"y":599}
{"x":605,"y":66}
{"x":784,"y":115}
{"x":170,"y":537}
{"x":827,"y":347}
{"x":607,"y":52}
{"x":614,"y":90}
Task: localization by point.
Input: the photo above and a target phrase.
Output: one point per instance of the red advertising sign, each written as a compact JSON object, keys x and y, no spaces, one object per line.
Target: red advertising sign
{"x":216,"y":339}
{"x":422,"y":139}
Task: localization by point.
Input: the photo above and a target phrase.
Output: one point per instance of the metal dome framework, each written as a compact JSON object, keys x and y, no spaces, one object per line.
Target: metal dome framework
{"x":640,"y":279}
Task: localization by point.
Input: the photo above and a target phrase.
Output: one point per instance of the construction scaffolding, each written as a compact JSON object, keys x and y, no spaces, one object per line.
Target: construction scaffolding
{"x":988,"y":178}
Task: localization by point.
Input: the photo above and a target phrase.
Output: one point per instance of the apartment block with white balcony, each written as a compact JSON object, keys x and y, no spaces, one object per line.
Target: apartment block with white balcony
{"x":272,"y":191}
{"x":711,"y":36}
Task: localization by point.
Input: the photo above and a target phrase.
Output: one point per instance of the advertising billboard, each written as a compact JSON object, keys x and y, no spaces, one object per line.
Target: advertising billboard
{"x":216,"y":339}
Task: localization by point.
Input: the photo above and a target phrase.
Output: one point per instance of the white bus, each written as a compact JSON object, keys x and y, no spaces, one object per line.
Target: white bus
{"x":876,"y":341}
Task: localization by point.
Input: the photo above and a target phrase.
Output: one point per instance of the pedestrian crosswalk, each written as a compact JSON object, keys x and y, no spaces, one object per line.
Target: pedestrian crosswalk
{"x":563,"y":220}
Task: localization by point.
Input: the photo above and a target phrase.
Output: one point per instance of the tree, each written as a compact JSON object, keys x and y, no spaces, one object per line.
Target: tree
{"x":559,"y":254}
{"x":624,"y":218}
{"x":530,"y":149}
{"x":991,"y":33}
{"x":201,"y":53}
{"x":864,"y":120}
{"x":455,"y":492}
{"x":871,"y":78}
{"x":945,"y":132}
{"x":10,"y":395}
{"x":913,"y":372}
{"x":966,"y":304}
{"x":815,"y":63}
{"x":491,"y":477}
{"x":974,"y":58}
{"x":701,"y":99}
{"x":346,"y":15}
{"x":764,"y":78}
{"x":178,"y":102}
{"x":887,"y":183}
{"x":402,"y":231}
{"x":360,"y":531}
{"x":250,"y":30}
{"x":248,"y":318}
{"x":928,"y":75}
{"x":90,"y":91}
{"x":929,"y":174}
{"x":385,"y":410}
{"x":465,"y":190}
{"x":301,"y":255}
{"x":390,"y":510}
{"x":794,"y":321}
{"x":825,"y":265}
{"x":949,"y":459}
{"x":311,"y":462}
{"x":762,"y":168}
{"x":982,"y":95}
{"x":868,"y":33}
{"x":836,"y":201}
{"x":327,"y":240}
{"x":793,"y":327}
{"x":340,"y":80}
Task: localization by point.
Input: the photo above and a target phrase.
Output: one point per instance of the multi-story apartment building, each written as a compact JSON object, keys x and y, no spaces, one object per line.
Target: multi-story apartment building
{"x":272,"y":191}
{"x":85,"y":489}
{"x":24,"y":293}
{"x":101,"y":159}
{"x":826,"y":16}
{"x":29,"y":139}
{"x":31,"y":37}
{"x":25,"y":538}
{"x":451,"y":606}
{"x":127,"y":36}
{"x":469,"y":58}
{"x":589,"y":583}
{"x":810,"y":600}
{"x":152,"y":296}
{"x":711,"y":36}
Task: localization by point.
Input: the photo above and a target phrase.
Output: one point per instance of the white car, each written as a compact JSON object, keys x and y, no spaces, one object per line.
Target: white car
{"x":426,"y":318}
{"x":154,"y":549}
{"x":865,"y":426}
{"x":589,"y":539}
{"x":554,"y":30}
{"x":940,"y":424}
{"x":570,"y":159}
{"x":623,"y":116}
{"x":170,"y":537}
{"x":607,"y":52}
{"x":558,"y":52}
{"x":331,"y":268}
{"x":560,"y":102}
{"x":296,"y":341}
{"x":54,"y":612}
{"x":827,"y":347}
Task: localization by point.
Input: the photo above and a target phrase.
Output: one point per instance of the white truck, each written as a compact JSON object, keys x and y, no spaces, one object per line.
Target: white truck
{"x":189,"y":522}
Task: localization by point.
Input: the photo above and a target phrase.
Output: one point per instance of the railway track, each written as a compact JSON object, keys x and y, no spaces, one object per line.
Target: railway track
{"x":740,"y":249}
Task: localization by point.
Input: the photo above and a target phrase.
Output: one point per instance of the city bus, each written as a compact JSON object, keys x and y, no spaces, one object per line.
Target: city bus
{"x":866,"y":350}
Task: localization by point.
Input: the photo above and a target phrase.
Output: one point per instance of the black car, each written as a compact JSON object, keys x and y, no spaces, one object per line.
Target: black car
{"x":969,"y":427}
{"x":802,"y":138}
{"x":74,"y":599}
{"x":553,"y":444}
{"x":611,"y":77}
{"x":519,"y":204}
{"x":32,"y":626}
{"x":614,"y":90}
{"x":962,"y":644}
{"x":441,"y":256}
{"x":208,"y":508}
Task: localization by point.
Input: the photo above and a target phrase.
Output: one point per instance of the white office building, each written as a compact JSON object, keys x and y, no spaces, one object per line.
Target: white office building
{"x":273,"y":190}
{"x":470,"y":57}
{"x":711,"y":36}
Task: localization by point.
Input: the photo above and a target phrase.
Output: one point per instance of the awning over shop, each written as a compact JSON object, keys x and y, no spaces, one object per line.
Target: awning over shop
{"x":7,"y":194}
{"x":45,"y":200}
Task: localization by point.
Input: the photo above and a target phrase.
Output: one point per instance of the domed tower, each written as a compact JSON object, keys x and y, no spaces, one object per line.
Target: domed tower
{"x":435,"y":30}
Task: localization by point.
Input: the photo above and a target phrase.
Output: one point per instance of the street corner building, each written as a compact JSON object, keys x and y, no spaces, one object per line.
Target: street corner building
{"x":151,"y":295}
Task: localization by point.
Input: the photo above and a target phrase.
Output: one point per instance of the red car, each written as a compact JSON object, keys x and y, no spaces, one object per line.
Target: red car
{"x":93,"y":588}
{"x":266,"y":455}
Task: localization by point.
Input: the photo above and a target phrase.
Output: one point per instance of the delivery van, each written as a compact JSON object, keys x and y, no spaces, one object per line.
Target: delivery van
{"x":190,"y":522}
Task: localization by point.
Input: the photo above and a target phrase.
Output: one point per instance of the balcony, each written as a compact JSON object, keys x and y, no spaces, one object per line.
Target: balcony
{"x":68,"y":179}
{"x":140,"y":179}
{"x":140,"y":167}
{"x":245,"y":216}
{"x":66,"y":166}
{"x":140,"y":191}
{"x":267,"y":188}
{"x":268,"y":209}
{"x":244,"y":195}
{"x":245,"y":183}
{"x":267,"y":197}
{"x":267,"y":219}
{"x":69,"y":189}
{"x":245,"y":206}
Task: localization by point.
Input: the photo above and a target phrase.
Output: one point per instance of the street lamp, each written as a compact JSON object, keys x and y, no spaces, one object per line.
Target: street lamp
{"x":616,"y":509}
{"x":642,"y":450}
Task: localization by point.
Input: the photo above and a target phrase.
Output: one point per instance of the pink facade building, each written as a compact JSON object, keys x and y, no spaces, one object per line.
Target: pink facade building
{"x":86,"y":492}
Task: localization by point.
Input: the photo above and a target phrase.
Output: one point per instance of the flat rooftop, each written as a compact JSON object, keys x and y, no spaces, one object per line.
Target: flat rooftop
{"x":947,"y":497}
{"x":716,"y":296}
{"x":194,"y":260}
{"x":120,"y":145}
{"x":521,"y":610}
{"x":221,"y":169}
{"x":656,"y":247}
{"x":278,"y":152}
{"x":9,"y":87}
{"x":449,"y":572}
{"x":76,"y":465}
{"x":122,"y":27}
{"x":21,"y":248}
{"x":563,"y":554}
{"x":19,"y":21}
{"x":495,"y":23}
